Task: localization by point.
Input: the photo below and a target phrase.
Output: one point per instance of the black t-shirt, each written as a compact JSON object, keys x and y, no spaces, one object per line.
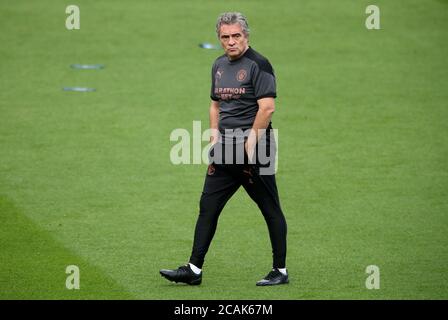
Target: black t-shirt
{"x":237,"y":85}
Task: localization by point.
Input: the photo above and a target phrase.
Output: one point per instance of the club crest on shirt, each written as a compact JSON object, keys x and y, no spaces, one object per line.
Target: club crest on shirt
{"x":241,"y":75}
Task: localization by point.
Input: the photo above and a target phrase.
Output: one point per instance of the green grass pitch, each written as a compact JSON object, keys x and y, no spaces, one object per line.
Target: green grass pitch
{"x":86,"y":180}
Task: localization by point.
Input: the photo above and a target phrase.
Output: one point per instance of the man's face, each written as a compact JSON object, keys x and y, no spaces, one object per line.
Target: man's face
{"x":233,"y":40}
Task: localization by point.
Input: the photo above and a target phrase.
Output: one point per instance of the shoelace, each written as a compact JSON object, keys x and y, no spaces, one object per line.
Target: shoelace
{"x":184,"y":269}
{"x":272,"y":275}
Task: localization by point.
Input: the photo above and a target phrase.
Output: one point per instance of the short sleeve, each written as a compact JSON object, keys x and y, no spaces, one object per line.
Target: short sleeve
{"x":213,"y":96}
{"x":263,"y":81}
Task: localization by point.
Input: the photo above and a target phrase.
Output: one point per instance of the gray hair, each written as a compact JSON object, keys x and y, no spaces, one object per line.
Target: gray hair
{"x":232,"y":18}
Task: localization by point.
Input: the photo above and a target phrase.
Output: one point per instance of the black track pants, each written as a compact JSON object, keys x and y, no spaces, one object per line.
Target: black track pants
{"x":221,"y":182}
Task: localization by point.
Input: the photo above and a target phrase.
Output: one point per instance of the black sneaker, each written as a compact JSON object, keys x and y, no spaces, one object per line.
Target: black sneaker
{"x":182,"y":274}
{"x":273,"y":278}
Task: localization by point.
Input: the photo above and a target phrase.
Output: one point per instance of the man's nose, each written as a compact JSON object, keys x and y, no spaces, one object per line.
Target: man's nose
{"x":231,"y":41}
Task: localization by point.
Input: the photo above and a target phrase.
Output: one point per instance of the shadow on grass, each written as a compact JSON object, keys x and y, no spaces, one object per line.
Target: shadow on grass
{"x":33,"y":264}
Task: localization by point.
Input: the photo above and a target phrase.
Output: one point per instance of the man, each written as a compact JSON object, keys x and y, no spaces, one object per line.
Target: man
{"x":242,"y":91}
